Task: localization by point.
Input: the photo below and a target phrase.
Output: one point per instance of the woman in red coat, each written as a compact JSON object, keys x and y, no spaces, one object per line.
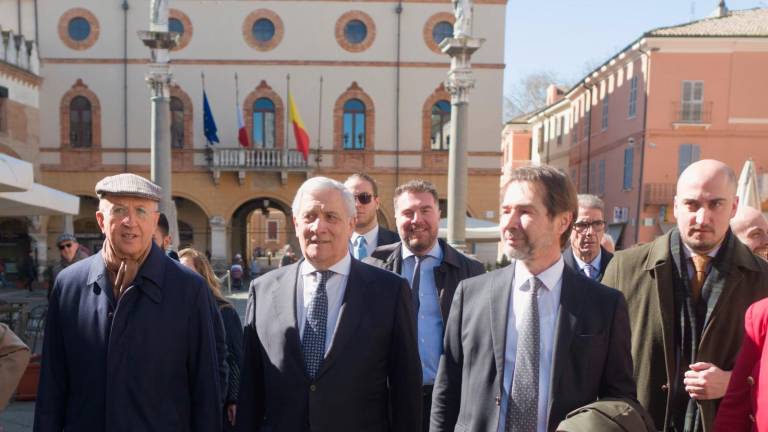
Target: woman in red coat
{"x":745,"y":406}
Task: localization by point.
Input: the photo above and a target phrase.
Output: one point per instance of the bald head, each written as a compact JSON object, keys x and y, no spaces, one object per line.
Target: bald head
{"x":705,"y":203}
{"x":751,"y":227}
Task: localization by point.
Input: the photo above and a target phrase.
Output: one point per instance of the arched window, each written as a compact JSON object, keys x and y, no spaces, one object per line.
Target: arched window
{"x":354,"y":124}
{"x":440,"y":126}
{"x":177,"y":123}
{"x":80,"y":120}
{"x":264,"y":123}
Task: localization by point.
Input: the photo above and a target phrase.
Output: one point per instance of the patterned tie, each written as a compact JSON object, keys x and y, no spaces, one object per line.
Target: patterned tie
{"x":590,"y":271}
{"x":700,"y":263}
{"x":313,"y":342}
{"x":415,"y":282}
{"x":360,"y":250}
{"x":523,"y":404}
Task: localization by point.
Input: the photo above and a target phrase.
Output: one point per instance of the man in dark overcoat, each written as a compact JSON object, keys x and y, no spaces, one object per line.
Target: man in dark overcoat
{"x":130,"y":338}
{"x":687,"y":293}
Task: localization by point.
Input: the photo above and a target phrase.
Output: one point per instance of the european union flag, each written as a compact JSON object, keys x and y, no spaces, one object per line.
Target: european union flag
{"x":209,"y":124}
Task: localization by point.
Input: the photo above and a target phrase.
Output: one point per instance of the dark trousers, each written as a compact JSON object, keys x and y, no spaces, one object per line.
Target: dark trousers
{"x":426,"y":391}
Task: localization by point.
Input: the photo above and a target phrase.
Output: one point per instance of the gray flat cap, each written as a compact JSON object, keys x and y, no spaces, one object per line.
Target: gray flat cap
{"x":65,"y":237}
{"x":128,"y":185}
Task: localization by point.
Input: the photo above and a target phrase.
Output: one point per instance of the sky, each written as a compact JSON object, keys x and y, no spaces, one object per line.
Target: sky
{"x":564,"y":36}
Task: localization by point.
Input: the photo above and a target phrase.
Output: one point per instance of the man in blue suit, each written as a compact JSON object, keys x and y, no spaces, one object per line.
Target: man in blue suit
{"x":330,"y":342}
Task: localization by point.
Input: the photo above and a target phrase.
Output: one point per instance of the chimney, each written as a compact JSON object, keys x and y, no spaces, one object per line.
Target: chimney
{"x":554,"y":94}
{"x":721,"y":11}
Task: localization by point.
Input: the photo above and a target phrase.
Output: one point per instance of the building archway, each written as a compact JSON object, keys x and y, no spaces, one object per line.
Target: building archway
{"x":261,"y":227}
{"x":15,"y":244}
{"x":194,"y":226}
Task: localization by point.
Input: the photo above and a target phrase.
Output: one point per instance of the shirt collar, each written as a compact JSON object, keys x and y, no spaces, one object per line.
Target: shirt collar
{"x":341,"y":267}
{"x":689,"y":252}
{"x":595,"y":263}
{"x":436,"y":252}
{"x":549,"y":277}
{"x":369,"y":235}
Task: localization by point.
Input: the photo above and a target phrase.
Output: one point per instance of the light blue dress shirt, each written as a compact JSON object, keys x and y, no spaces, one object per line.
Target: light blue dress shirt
{"x":430,"y":320}
{"x":549,"y":304}
{"x":595,"y":262}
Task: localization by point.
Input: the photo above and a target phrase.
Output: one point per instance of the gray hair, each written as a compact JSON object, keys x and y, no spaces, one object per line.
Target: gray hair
{"x":324,"y":183}
{"x":591,"y":202}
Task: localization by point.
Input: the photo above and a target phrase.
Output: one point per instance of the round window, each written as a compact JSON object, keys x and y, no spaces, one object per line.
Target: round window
{"x":355,"y":31}
{"x":176,"y":26}
{"x":263,"y":30}
{"x":79,"y":29}
{"x":442,"y":30}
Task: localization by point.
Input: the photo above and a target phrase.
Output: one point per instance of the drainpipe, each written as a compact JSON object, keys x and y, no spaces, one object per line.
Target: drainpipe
{"x":642,"y":145}
{"x":399,"y":12}
{"x":125,"y":8}
{"x":589,"y":135}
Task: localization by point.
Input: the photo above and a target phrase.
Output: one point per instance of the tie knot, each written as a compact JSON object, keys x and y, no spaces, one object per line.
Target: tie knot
{"x":700,"y":262}
{"x":535,"y":284}
{"x":323,"y":276}
{"x":360,"y":240}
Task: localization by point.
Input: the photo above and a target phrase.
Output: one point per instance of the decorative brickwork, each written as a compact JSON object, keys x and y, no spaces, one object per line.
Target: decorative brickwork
{"x":429,"y":26}
{"x":351,"y":158}
{"x":183,"y":158}
{"x":263,"y":90}
{"x":64,"y":28}
{"x":188,"y":28}
{"x":251,"y":19}
{"x":432,"y":158}
{"x":370,"y":31}
{"x":80,"y":158}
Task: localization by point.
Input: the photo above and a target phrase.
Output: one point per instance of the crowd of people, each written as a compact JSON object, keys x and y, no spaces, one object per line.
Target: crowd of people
{"x":375,"y":330}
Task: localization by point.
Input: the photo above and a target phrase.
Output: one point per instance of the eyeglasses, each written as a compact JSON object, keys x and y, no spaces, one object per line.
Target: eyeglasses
{"x":364,"y":198}
{"x":597,"y":225}
{"x":121,"y":212}
{"x":65,"y":246}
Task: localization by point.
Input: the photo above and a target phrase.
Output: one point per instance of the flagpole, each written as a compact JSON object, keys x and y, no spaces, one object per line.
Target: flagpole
{"x":288,"y":119}
{"x":318,"y":156}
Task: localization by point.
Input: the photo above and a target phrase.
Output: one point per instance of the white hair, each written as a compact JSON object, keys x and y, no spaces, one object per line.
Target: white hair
{"x":324,"y":183}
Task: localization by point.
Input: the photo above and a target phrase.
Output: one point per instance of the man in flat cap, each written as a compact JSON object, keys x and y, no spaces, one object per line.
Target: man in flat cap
{"x":130,"y":339}
{"x":70,"y":252}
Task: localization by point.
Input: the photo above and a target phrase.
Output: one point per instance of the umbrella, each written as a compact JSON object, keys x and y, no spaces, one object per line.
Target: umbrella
{"x":747,"y":190}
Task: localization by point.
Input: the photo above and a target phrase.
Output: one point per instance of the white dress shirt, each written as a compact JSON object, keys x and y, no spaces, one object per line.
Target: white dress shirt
{"x":549,"y":304}
{"x":335,"y":286}
{"x":371,"y":239}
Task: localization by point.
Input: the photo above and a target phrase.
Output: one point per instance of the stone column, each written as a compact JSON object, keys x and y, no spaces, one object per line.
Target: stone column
{"x":38,"y":232}
{"x":459,"y":82}
{"x":69,"y":224}
{"x":218,"y":243}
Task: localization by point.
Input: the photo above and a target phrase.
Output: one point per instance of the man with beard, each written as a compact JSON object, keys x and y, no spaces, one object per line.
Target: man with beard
{"x":687,"y":293}
{"x":130,"y":342}
{"x":528,"y":343}
{"x":433,"y":268}
{"x":368,"y":234}
{"x":751,"y":227}
{"x":585,"y":253}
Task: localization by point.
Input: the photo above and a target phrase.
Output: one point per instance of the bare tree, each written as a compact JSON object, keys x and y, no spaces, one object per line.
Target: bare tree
{"x":529,"y":93}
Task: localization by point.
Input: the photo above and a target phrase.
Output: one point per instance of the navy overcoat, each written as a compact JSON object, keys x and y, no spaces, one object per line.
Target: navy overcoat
{"x":145,"y":363}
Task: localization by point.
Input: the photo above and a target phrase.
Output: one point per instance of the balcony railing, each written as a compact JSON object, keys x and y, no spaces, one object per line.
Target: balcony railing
{"x":692,"y":112}
{"x":240,"y":159}
{"x":659,"y":193}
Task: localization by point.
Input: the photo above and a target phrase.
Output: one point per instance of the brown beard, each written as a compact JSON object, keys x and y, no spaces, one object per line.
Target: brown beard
{"x":122,"y":270}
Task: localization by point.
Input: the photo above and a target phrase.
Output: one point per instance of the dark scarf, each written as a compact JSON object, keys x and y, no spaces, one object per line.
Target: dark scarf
{"x":692,"y":319}
{"x":122,"y":270}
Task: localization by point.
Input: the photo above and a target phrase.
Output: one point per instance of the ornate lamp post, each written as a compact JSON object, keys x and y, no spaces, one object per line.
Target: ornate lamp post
{"x":460,"y":47}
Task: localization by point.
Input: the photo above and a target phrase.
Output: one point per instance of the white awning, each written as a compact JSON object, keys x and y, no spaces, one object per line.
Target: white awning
{"x":38,"y":200}
{"x":475,"y":229}
{"x":16,"y":175}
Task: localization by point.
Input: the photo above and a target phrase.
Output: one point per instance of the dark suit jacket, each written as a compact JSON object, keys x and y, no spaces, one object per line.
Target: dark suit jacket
{"x":386,"y":237}
{"x":455,"y":268}
{"x":570,"y":261}
{"x":591,"y":352}
{"x":370,"y":379}
{"x":645,"y":275}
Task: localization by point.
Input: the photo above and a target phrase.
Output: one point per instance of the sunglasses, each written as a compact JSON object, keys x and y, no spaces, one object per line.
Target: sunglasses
{"x":364,"y":198}
{"x":65,"y":246}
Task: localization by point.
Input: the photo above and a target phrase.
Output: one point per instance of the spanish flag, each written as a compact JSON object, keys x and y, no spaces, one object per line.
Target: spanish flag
{"x":299,"y":131}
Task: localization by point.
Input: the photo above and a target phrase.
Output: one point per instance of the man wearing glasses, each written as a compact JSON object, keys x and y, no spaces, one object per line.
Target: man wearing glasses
{"x":131,"y":336}
{"x":368,"y":234}
{"x":585,"y":253}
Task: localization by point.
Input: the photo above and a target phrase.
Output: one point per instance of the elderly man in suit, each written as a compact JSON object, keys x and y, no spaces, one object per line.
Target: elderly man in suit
{"x":526,"y":344}
{"x":432,"y":266}
{"x":687,"y":293}
{"x":131,"y":335}
{"x":751,"y":227}
{"x":330,"y":342}
{"x":586,"y":254}
{"x":368,"y":234}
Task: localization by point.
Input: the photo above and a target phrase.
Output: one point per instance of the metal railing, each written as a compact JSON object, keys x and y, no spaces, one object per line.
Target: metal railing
{"x":658,"y":193}
{"x":255,"y":159}
{"x":692,"y":112}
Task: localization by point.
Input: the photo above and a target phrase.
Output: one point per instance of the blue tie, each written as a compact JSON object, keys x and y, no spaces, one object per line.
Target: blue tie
{"x":590,"y":271}
{"x":360,"y":250}
{"x":313,"y":342}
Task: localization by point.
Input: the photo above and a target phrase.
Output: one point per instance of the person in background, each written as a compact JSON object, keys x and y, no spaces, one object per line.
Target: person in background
{"x":608,"y":243}
{"x":585,"y":253}
{"x":368,"y":234}
{"x":70,"y":252}
{"x":233,"y":329}
{"x":288,"y":256}
{"x":751,"y":227}
{"x":14,"y":357}
{"x":162,"y":237}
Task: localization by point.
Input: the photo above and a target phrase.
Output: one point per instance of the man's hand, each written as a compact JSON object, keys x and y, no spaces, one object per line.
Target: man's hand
{"x":706,"y":381}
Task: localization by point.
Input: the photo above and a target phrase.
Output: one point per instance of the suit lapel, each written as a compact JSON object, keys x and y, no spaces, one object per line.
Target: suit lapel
{"x":352,"y":309}
{"x":567,"y":319}
{"x":501,"y":289}
{"x":660,"y":262}
{"x":284,"y":302}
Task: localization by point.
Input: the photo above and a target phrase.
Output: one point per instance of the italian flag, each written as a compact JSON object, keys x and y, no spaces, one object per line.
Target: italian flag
{"x":299,"y":131}
{"x":242,"y":132}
